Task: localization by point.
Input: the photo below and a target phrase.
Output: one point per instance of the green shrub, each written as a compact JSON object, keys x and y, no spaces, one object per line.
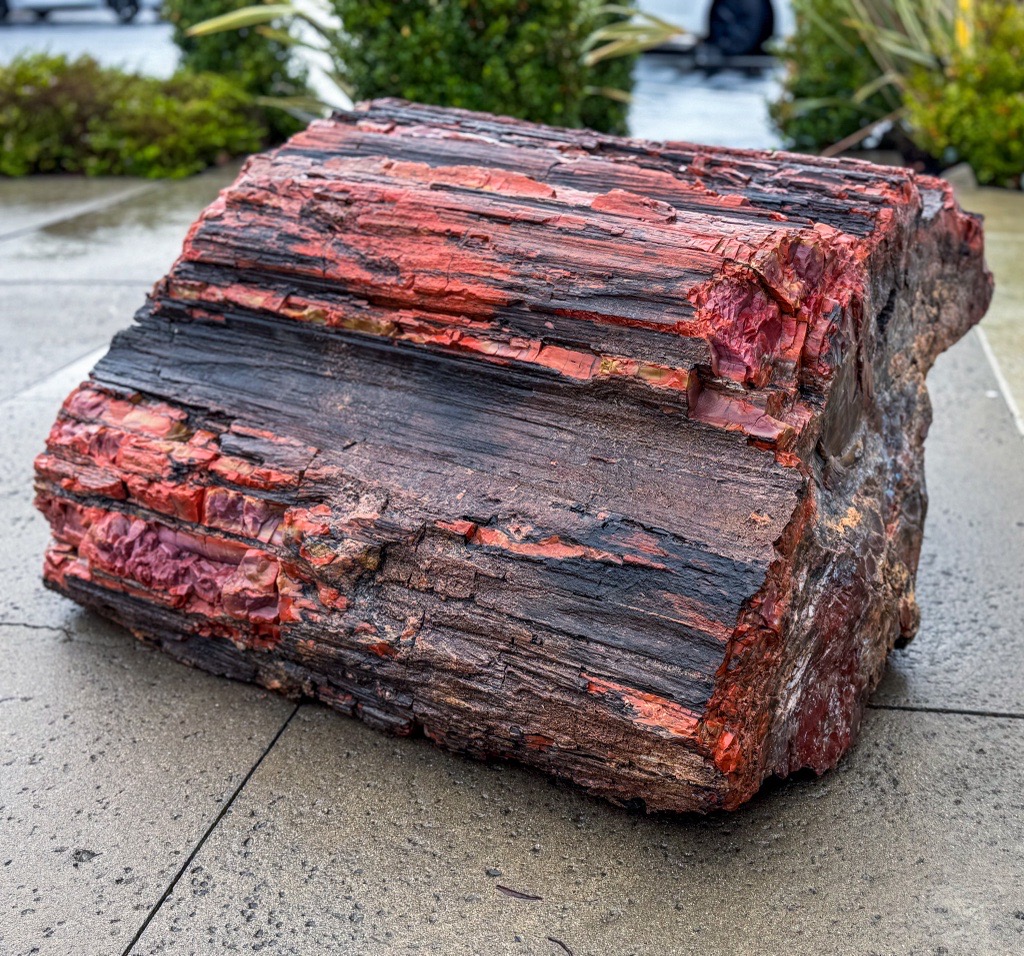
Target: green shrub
{"x":262,"y":66}
{"x":974,"y":110}
{"x":949,"y":73}
{"x":826,"y":65}
{"x":74,"y":116}
{"x":522,"y":58}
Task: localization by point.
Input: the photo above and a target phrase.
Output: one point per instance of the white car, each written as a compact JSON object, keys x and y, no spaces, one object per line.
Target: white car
{"x":735,"y":27}
{"x":124,"y":10}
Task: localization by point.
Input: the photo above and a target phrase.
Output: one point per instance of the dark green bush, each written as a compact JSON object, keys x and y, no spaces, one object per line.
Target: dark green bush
{"x":522,"y":58}
{"x":826,"y":64}
{"x":974,"y":111}
{"x":74,"y":116}
{"x":261,"y":66}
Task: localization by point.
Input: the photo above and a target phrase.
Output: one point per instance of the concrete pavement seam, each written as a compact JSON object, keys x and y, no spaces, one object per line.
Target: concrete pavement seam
{"x":84,"y":210}
{"x":209,"y":830}
{"x":951,"y":711}
{"x":39,"y":383}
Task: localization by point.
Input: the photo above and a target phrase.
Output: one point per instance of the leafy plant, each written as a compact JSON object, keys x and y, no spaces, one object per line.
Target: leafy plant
{"x":74,"y":116}
{"x":262,"y":65}
{"x":973,"y":110}
{"x":632,"y":32}
{"x":535,"y":60}
{"x":943,"y":77}
{"x":827,"y":92}
{"x":904,"y":36}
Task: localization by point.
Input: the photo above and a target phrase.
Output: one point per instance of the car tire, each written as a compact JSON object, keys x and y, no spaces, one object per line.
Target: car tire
{"x":124,"y":10}
{"x":740,"y":27}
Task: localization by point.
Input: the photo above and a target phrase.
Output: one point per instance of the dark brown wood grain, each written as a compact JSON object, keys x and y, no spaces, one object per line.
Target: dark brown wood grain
{"x":598,"y":454}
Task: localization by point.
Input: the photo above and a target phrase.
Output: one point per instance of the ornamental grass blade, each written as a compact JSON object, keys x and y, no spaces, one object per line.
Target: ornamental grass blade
{"x":609,"y":92}
{"x":245,"y":17}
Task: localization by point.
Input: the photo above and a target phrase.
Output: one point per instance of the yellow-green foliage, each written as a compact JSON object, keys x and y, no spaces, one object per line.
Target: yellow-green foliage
{"x":974,"y":110}
{"x":74,"y":116}
{"x":948,"y":73}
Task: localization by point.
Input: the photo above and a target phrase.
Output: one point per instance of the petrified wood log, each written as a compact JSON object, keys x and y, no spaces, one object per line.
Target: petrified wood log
{"x":598,"y":454}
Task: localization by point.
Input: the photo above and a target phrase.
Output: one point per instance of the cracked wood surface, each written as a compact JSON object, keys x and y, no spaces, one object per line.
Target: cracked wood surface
{"x":598,"y":454}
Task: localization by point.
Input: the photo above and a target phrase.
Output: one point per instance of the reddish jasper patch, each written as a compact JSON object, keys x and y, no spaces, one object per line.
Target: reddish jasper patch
{"x":648,"y":710}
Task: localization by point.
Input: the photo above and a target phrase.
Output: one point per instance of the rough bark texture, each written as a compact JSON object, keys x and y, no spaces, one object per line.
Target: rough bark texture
{"x":598,"y":454}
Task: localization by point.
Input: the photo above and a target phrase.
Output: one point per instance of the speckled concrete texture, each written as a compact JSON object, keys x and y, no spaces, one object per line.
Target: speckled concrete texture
{"x":22,"y":600}
{"x":147,"y":808}
{"x":345,"y":841}
{"x":115,"y":762}
{"x":77,"y":318}
{"x":970,"y":582}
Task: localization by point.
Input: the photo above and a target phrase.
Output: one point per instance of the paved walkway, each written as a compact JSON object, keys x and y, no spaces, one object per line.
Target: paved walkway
{"x":146,"y":808}
{"x":1003,"y":331}
{"x":144,"y":45}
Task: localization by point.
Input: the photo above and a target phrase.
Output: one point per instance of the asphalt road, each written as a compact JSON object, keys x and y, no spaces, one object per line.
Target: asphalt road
{"x":144,"y":45}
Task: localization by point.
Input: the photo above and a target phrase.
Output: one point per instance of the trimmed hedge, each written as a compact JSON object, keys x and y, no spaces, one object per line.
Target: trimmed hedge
{"x":75,"y":116}
{"x":521,"y":58}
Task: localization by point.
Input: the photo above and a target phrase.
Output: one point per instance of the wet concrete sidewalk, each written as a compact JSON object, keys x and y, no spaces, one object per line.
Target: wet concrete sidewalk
{"x":146,"y":808}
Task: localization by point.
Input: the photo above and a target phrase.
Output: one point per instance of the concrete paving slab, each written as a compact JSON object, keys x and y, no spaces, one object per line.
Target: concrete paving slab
{"x":28,"y":418}
{"x":54,"y":387}
{"x":46,"y":326}
{"x":1005,"y":257}
{"x":22,"y":596}
{"x":970,"y":584}
{"x":345,"y":841}
{"x":1004,"y":325}
{"x":91,"y":762}
{"x":1003,"y":210}
{"x":114,"y":762}
{"x":134,"y":240}
{"x":41,"y":200}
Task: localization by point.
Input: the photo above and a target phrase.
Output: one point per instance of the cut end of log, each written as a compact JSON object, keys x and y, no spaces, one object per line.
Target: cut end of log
{"x":597,"y":454}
